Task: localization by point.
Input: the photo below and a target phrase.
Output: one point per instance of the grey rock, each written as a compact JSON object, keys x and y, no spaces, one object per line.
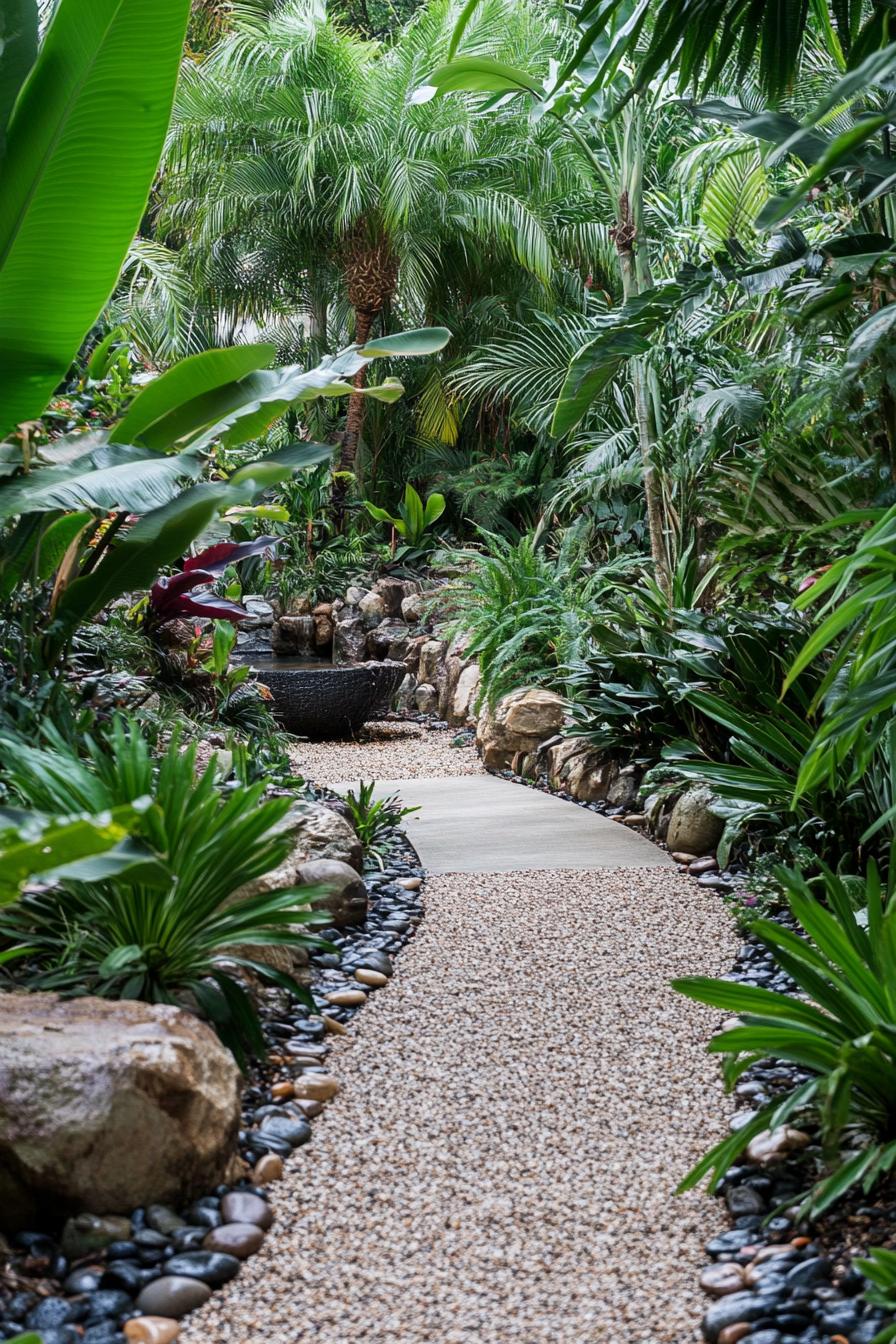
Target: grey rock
{"x":173,"y":1295}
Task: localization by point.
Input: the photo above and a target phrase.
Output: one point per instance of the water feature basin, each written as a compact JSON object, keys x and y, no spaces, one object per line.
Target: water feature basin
{"x":317,"y":699}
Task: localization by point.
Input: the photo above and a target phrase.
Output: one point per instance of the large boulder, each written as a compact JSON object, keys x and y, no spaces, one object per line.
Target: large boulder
{"x":344,"y":897}
{"x":693,"y":828}
{"x":517,"y":725}
{"x":108,"y":1105}
{"x":319,"y":832}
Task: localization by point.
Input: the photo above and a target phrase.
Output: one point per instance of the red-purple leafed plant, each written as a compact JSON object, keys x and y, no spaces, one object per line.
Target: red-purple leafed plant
{"x":174,"y":595}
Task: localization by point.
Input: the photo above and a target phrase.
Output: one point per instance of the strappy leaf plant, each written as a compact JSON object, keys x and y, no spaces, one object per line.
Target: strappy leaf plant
{"x":180,"y":933}
{"x":839,"y":1030}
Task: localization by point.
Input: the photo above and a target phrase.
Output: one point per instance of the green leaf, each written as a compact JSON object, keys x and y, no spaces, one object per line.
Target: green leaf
{"x":157,"y":540}
{"x":48,"y":844}
{"x":423,"y":341}
{"x":130,"y":860}
{"x":435,"y":507}
{"x":152,"y":417}
{"x":114,"y":477}
{"x":868,"y":337}
{"x":286,"y":461}
{"x":476,"y":74}
{"x":18,"y":50}
{"x":83,"y":144}
{"x":104,"y":354}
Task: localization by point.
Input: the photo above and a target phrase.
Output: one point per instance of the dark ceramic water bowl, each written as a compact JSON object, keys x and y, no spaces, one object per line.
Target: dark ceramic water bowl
{"x":318,"y":700}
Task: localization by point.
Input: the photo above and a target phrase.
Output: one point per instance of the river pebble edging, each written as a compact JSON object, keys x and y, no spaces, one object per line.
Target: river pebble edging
{"x":131,"y":1280}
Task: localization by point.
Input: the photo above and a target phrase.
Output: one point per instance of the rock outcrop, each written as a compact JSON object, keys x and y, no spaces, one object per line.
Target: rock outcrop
{"x":107,"y":1105}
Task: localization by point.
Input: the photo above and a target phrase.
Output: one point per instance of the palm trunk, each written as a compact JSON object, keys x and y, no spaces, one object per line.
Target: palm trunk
{"x":635,"y":278}
{"x":354,"y":422}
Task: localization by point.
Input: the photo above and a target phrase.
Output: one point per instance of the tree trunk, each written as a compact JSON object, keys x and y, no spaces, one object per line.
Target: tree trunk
{"x":354,"y":422}
{"x":625,"y":238}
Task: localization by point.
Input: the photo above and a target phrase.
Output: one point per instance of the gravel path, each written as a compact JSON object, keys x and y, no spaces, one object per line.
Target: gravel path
{"x":517,"y":1107}
{"x":388,"y":751}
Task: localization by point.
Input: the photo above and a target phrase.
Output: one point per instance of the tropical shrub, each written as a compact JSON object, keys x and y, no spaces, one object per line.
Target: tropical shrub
{"x":173,"y":929}
{"x":880,"y":1268}
{"x":840,"y":1030}
{"x":525,"y":609}
{"x":372,"y":818}
{"x":413,"y":522}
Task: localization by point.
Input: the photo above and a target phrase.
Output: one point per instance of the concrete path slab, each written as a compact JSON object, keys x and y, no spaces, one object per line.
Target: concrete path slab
{"x":482,"y":824}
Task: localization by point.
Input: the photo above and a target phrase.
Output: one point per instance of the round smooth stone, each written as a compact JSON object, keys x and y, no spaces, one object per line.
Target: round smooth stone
{"x":347,"y":998}
{"x":281,"y":1090}
{"x":410,"y":883}
{"x":151,"y":1330}
{"x":210,"y":1266}
{"x":719,"y":1280}
{"x":293,"y":1131}
{"x":106,"y":1303}
{"x":375,"y":979}
{"x":331,"y":1025}
{"x":267,"y":1169}
{"x":375,"y":960}
{"x":50,"y":1313}
{"x":84,"y":1280}
{"x":308,"y":1107}
{"x":316,"y":1087}
{"x":173,"y":1295}
{"x":237,"y":1239}
{"x":239,"y":1206}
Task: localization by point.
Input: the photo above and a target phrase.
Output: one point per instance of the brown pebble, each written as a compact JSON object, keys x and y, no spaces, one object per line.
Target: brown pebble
{"x":335,"y":1028}
{"x":410,"y":883}
{"x":151,"y":1329}
{"x":375,"y":979}
{"x":239,"y":1239}
{"x":680,"y":857}
{"x":281,"y":1090}
{"x":316,"y":1087}
{"x":635,"y":819}
{"x":241,"y":1206}
{"x":719,"y":1280}
{"x":268,"y":1168}
{"x":308,"y":1107}
{"x":732,"y":1333}
{"x":347,"y":998}
{"x":800,"y":1242}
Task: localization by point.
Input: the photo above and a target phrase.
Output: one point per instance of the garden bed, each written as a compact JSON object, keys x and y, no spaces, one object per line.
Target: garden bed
{"x":96,"y":1280}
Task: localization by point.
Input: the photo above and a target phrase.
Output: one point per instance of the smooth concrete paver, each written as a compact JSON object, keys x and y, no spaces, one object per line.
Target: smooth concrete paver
{"x":482,"y":824}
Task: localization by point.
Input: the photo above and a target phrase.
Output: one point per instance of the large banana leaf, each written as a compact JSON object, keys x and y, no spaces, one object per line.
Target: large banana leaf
{"x":82,"y":147}
{"x":113,"y":477}
{"x":151,"y":418}
{"x":229,"y":394}
{"x":31,"y":846}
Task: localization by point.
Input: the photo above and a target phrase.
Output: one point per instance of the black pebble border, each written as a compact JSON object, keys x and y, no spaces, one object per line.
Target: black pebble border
{"x":87,"y":1298}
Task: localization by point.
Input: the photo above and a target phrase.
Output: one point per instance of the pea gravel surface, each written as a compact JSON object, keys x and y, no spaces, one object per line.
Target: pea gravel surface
{"x":387,"y":750}
{"x":517,"y":1107}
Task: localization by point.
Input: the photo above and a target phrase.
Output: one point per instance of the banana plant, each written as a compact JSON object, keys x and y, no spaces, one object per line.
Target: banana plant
{"x":72,"y":503}
{"x":413,"y":521}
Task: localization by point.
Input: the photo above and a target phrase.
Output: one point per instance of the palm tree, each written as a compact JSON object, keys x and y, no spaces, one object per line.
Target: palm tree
{"x":302,"y":173}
